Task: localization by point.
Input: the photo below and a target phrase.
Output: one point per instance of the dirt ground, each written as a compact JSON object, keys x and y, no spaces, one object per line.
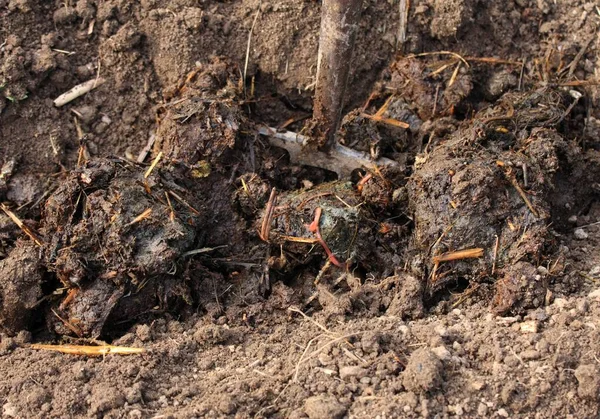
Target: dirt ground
{"x":465,"y":282}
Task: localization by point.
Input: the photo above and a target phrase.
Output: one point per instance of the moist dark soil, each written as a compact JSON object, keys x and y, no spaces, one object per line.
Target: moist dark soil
{"x":149,"y":212}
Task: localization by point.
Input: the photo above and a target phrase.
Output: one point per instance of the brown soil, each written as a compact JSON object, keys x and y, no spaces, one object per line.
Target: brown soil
{"x":327,"y":298}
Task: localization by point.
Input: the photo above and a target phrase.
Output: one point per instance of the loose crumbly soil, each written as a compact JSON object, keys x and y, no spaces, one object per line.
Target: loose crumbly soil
{"x":501,"y":155}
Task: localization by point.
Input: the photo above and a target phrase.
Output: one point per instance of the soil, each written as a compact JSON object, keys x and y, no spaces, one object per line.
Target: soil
{"x":464,"y":282}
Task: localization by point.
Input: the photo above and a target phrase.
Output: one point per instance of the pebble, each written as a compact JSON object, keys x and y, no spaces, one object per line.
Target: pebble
{"x":322,"y":407}
{"x":442,"y":331}
{"x":423,"y":371}
{"x":580,"y":234}
{"x":561,"y":303}
{"x":573,"y":219}
{"x":530,"y":354}
{"x":9,"y":410}
{"x":352,"y":371}
{"x":595,"y":294}
{"x":588,"y":377}
{"x":478,"y":385}
{"x":502,"y":412}
{"x":482,"y":410}
{"x":442,"y":353}
{"x":530,"y":326}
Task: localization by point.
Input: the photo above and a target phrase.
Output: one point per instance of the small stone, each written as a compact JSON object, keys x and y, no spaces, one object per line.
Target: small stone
{"x":478,"y":385}
{"x":502,"y":412}
{"x":580,"y":234}
{"x":530,"y":354}
{"x":573,"y":219}
{"x":588,"y":377}
{"x":595,"y":294}
{"x":530,"y":326}
{"x":325,"y":359}
{"x":143,"y":332}
{"x":323,"y":407}
{"x":542,"y":270}
{"x":582,"y":306}
{"x":442,"y":331}
{"x":482,"y":410}
{"x":23,"y":337}
{"x":86,"y":113}
{"x":227,"y":405}
{"x":561,"y":303}
{"x":423,"y":371}
{"x":442,"y":353}
{"x":352,"y":371}
{"x":135,"y":414}
{"x":10,"y":410}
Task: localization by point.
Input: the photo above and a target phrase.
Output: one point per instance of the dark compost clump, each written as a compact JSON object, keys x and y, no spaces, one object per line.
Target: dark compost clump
{"x":113,"y":240}
{"x":482,"y":199}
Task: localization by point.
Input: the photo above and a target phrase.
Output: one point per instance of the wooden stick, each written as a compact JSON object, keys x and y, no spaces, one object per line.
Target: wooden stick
{"x":21,"y":225}
{"x":89,"y":350}
{"x":265,"y":227}
{"x":339,"y":24}
{"x":153,"y":165}
{"x":474,"y":253}
{"x":79,"y":90}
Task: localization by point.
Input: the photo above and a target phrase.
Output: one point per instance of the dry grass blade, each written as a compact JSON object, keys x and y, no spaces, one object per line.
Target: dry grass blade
{"x":33,"y":235}
{"x":522,"y":193}
{"x":319,"y":325}
{"x":265,"y":227}
{"x":89,"y":350}
{"x":184,"y":203}
{"x":140,"y":217}
{"x":473,"y":253}
{"x":378,"y":117}
{"x":495,"y":254}
{"x":454,"y":54}
{"x":403,"y":9}
{"x":153,"y":165}
{"x":249,"y":43}
{"x":79,"y":90}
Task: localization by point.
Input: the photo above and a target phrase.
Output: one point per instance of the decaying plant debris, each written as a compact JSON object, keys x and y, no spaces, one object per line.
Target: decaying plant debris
{"x":490,"y":186}
{"x":470,"y":200}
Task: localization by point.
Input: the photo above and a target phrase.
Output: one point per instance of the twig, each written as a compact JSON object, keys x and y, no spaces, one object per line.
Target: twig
{"x":473,"y":253}
{"x":322,"y":272}
{"x":89,"y":350}
{"x":573,"y":64}
{"x":454,"y":54}
{"x":265,"y":228}
{"x":249,"y":42}
{"x":521,"y":192}
{"x":140,"y":217}
{"x":454,"y":75}
{"x":466,"y":295}
{"x":316,"y":323}
{"x":69,"y":325}
{"x":77,"y":91}
{"x":32,"y":235}
{"x":203,"y":250}
{"x":589,"y":225}
{"x":495,"y":254}
{"x":171,"y":210}
{"x":142,"y":156}
{"x":153,"y":165}
{"x":340,"y":159}
{"x":403,"y":9}
{"x":297,"y":371}
{"x":182,"y":201}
